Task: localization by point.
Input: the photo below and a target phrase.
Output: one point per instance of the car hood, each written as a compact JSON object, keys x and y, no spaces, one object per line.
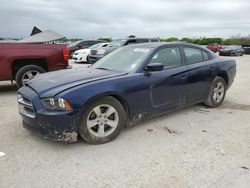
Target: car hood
{"x":53,"y":83}
{"x":107,"y":49}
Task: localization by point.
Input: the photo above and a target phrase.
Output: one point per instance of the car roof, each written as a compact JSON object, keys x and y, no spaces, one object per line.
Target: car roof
{"x":160,"y":44}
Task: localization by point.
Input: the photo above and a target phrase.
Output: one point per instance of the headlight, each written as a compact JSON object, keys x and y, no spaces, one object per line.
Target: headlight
{"x":100,"y":52}
{"x":56,"y":104}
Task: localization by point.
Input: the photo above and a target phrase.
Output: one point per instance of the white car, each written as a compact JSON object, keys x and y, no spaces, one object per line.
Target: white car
{"x":81,"y":55}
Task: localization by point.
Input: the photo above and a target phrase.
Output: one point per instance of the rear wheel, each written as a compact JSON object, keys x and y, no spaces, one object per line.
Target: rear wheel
{"x":27,"y":73}
{"x":217,"y":92}
{"x":102,"y":121}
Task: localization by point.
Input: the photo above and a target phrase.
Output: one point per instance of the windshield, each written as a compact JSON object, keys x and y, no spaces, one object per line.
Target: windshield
{"x":74,"y":43}
{"x":116,"y":43}
{"x":125,"y":59}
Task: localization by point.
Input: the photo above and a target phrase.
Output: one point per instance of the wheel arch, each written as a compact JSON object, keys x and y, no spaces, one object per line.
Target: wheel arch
{"x":224,"y":76}
{"x":19,"y":63}
{"x":116,"y":96}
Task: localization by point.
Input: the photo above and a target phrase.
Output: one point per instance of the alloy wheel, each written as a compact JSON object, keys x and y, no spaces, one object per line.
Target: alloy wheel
{"x":219,"y":91}
{"x":102,"y":120}
{"x":29,"y":76}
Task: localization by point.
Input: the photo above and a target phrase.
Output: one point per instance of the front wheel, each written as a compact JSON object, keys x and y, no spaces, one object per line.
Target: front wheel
{"x":102,"y":121}
{"x":217,"y":92}
{"x":27,"y":73}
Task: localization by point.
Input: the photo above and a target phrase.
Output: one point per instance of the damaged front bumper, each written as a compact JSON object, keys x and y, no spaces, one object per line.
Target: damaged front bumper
{"x":53,"y":125}
{"x":57,"y":127}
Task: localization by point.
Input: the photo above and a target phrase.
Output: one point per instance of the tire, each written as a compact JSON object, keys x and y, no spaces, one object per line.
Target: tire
{"x":216,"y":93}
{"x":87,"y":60}
{"x":95,"y":125}
{"x":23,"y":74}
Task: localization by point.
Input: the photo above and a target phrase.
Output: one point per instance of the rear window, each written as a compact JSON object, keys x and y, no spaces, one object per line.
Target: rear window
{"x":205,"y":56}
{"x":193,"y":55}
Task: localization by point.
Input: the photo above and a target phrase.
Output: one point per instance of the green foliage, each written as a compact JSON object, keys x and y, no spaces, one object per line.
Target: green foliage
{"x":205,"y":41}
{"x":172,"y":39}
{"x":237,"y":40}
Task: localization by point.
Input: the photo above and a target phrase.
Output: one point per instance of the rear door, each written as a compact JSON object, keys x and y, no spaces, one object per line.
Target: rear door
{"x":167,"y":88}
{"x":200,"y":68}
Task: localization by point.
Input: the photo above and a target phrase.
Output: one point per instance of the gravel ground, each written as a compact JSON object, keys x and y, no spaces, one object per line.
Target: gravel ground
{"x":192,"y":147}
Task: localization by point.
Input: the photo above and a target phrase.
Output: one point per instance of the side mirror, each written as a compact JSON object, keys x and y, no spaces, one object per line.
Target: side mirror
{"x":154,"y":67}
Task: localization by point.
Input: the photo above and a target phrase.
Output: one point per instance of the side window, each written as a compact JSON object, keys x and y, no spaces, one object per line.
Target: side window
{"x":133,"y":41}
{"x":205,"y":56}
{"x":193,"y":55}
{"x":155,"y":40}
{"x":91,"y":43}
{"x":83,"y":44}
{"x":141,"y":40}
{"x":169,"y":57}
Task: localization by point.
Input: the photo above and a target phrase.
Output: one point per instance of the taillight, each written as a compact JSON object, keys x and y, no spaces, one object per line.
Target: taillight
{"x":66,"y":54}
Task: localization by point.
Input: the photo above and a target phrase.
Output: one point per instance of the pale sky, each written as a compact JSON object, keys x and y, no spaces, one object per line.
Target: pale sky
{"x":89,"y":19}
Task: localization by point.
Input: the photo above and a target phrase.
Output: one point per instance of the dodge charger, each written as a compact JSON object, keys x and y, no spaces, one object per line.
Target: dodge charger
{"x":128,"y":85}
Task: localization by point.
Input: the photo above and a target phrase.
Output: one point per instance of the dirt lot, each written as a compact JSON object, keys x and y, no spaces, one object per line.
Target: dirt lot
{"x":193,"y":147}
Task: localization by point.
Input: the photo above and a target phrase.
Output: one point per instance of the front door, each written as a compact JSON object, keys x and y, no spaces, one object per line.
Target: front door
{"x":167,"y":88}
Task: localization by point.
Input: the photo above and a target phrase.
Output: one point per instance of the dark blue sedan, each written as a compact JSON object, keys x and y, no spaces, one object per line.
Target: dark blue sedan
{"x":130,"y":84}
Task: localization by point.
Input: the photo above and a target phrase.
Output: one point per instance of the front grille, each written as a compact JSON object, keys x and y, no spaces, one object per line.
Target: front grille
{"x":25,"y":107}
{"x":93,"y":52}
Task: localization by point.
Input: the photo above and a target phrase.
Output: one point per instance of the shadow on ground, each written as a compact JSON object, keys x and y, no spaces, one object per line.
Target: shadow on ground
{"x":7,"y":87}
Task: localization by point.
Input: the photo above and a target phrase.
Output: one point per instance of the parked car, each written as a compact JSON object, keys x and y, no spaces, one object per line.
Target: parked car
{"x":96,"y":54}
{"x":246,"y":48}
{"x":81,"y":55}
{"x":132,"y":83}
{"x":214,"y":47}
{"x":21,"y":62}
{"x":82,"y":44}
{"x":232,"y":51}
